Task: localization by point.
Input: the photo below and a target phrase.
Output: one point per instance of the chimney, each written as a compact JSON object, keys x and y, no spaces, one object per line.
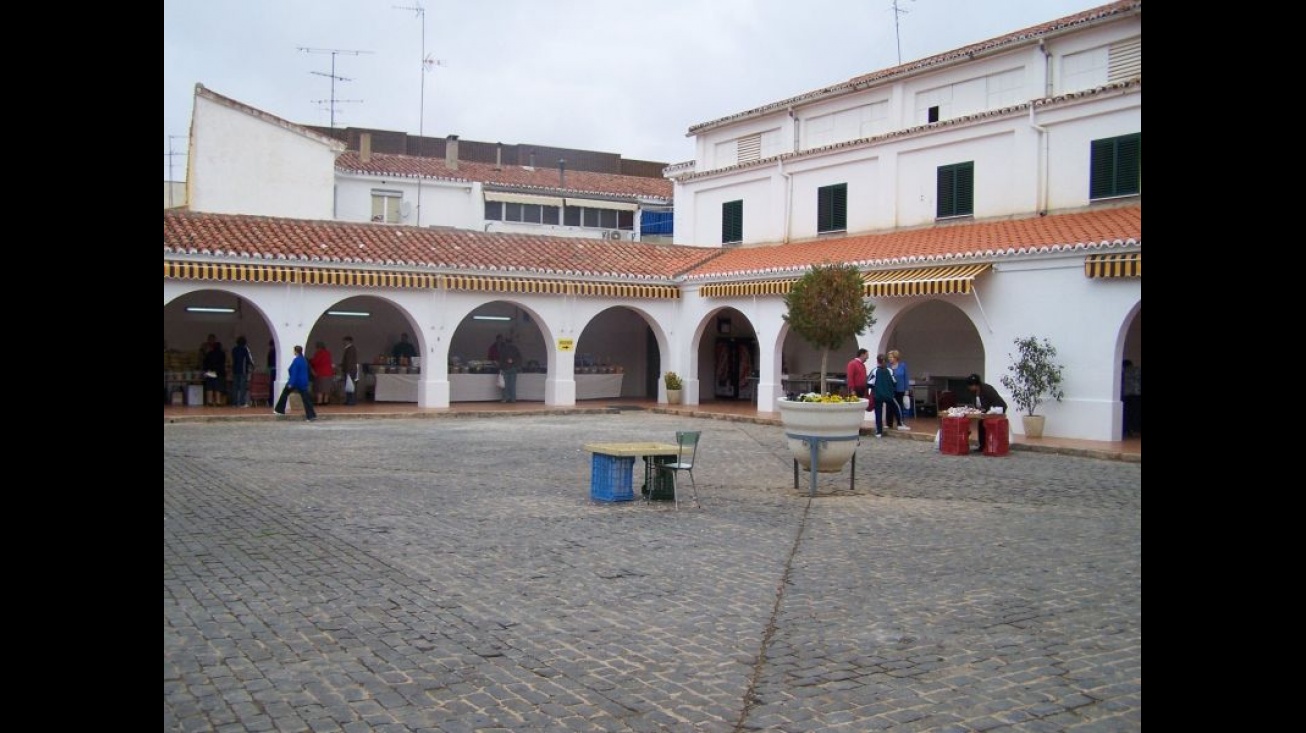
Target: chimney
{"x":562,"y":172}
{"x":532,"y":165}
{"x":451,"y":153}
{"x":364,"y":147}
{"x":498,"y":156}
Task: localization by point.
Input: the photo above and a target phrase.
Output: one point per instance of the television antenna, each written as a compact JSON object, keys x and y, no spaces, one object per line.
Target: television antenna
{"x":897,"y":11}
{"x":170,"y":155}
{"x":428,"y":63}
{"x":334,"y":78}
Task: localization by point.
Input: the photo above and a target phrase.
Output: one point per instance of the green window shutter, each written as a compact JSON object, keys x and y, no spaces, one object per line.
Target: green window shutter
{"x":732,"y":221}
{"x":832,"y":208}
{"x":965,"y":189}
{"x":1129,"y":165}
{"x":1116,"y":168}
{"x":955,"y":190}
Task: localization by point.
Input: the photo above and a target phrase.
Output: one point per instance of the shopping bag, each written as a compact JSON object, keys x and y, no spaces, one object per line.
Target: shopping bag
{"x":499,"y":381}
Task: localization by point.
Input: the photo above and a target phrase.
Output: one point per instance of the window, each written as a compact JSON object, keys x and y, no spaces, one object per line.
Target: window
{"x":732,"y":221}
{"x":956,"y":192}
{"x":1117,"y":166}
{"x":586,"y":216}
{"x":385,"y":205}
{"x":832,"y":208}
{"x":525,"y":213}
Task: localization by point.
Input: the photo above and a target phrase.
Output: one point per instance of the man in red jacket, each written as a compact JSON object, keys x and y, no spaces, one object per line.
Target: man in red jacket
{"x":855,"y":374}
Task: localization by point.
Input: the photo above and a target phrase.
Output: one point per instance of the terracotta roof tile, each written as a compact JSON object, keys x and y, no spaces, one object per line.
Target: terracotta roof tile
{"x":457,"y":250}
{"x":278,"y":239}
{"x":1107,"y":227}
{"x":541,"y":179}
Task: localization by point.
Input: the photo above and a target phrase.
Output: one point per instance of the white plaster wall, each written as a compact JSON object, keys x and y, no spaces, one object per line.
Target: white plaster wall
{"x":1069,"y":140}
{"x":444,"y":203}
{"x":242,"y":164}
{"x":755,"y":189}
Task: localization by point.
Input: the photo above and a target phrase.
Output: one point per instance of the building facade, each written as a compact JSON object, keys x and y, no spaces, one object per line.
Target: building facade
{"x":975,"y":228}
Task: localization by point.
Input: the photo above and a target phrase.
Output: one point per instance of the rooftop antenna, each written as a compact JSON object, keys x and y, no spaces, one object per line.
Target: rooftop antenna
{"x":170,"y":155}
{"x":896,"y":12}
{"x":427,"y":64}
{"x":334,"y":52}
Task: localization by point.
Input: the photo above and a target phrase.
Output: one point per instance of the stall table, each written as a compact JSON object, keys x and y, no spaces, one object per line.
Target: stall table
{"x":485,"y":387}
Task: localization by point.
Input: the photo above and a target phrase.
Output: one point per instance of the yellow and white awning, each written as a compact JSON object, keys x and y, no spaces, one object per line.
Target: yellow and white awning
{"x":384,"y":279}
{"x":1126,"y":264}
{"x":243,"y":272}
{"x":948,"y":280}
{"x":765,"y":287}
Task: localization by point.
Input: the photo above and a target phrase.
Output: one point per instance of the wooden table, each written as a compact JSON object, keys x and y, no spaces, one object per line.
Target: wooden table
{"x":611,"y":477}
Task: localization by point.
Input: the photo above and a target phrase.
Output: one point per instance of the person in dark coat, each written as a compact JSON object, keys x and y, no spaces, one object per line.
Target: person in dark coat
{"x":882,"y":386}
{"x":987,"y":398}
{"x":215,"y":374}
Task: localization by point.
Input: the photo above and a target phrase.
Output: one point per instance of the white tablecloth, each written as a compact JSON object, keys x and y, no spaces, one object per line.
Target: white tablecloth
{"x":397,"y":387}
{"x":484,"y":387}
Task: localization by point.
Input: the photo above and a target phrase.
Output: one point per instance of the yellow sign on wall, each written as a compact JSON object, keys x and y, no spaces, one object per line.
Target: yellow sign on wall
{"x":566,"y":344}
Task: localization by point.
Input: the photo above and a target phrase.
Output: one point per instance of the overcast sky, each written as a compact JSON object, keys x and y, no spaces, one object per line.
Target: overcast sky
{"x":616,"y":76}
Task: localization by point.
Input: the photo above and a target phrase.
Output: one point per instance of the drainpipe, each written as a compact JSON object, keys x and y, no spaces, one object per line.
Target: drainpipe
{"x":1042,"y":174}
{"x":789,"y":188}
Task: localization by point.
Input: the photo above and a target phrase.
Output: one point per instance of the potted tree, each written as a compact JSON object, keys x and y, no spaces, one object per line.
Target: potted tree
{"x":826,"y":307}
{"x":1032,"y":378}
{"x":674,"y":386}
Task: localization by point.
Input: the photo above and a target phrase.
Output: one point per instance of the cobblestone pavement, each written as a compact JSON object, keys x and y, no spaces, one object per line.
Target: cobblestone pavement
{"x":454,"y":575}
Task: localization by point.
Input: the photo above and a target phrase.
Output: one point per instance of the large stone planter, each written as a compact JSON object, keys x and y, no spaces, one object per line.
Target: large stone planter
{"x":833,"y":426}
{"x":1033,"y":425}
{"x":673,"y":396}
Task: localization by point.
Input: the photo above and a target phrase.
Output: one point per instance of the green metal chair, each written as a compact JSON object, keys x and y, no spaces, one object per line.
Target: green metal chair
{"x":687,"y":442}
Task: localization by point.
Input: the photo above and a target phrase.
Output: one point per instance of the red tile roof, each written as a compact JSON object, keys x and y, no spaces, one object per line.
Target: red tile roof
{"x":1107,"y":227}
{"x":277,"y":239}
{"x":544,"y":180}
{"x":457,"y":250}
{"x":1093,"y":15}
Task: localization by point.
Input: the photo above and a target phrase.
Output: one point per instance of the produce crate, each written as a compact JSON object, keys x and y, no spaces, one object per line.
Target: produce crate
{"x":661,"y":483}
{"x":611,"y":478}
{"x":954,"y":436}
{"x":997,"y":432}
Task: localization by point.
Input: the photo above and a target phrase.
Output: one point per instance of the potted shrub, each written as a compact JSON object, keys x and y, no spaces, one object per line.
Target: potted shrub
{"x":674,"y":385}
{"x":826,"y":307}
{"x":1033,"y":377}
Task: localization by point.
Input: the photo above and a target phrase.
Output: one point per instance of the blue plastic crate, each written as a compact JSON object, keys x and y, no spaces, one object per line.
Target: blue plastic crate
{"x":610,"y":478}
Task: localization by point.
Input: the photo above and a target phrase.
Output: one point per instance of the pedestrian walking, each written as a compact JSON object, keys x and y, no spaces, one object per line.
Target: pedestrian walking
{"x":297,"y":381}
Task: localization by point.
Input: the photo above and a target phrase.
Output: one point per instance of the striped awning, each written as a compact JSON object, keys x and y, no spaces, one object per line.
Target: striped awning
{"x":1126,"y":264}
{"x":557,"y":287}
{"x":949,"y":280}
{"x":383,"y":279}
{"x":728,"y":290}
{"x":243,"y":272}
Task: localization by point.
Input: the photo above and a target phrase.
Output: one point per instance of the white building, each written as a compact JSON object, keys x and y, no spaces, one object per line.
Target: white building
{"x":245,"y":160}
{"x":1043,"y":119}
{"x":985,"y":225}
